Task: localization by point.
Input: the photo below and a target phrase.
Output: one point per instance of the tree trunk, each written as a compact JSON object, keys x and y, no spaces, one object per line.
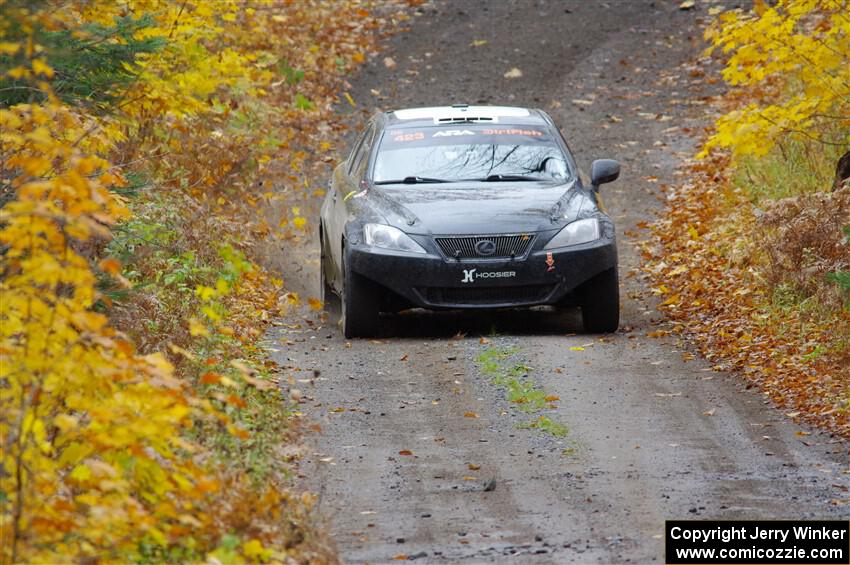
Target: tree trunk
{"x":842,"y":171}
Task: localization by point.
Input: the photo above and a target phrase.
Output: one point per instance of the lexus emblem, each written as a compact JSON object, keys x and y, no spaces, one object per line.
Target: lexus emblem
{"x":485,"y":247}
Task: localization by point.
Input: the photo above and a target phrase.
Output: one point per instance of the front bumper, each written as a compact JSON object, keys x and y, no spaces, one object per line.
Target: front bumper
{"x":431,"y":281}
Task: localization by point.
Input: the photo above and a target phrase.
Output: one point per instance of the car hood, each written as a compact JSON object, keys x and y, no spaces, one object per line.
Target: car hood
{"x":479,"y":209}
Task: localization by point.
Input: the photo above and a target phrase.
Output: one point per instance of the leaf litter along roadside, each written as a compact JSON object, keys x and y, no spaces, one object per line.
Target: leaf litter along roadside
{"x":747,"y":263}
{"x":152,"y":427}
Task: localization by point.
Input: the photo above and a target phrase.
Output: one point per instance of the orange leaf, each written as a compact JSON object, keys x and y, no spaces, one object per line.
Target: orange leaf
{"x":110,"y":265}
{"x":234,"y":400}
{"x":210,"y":378}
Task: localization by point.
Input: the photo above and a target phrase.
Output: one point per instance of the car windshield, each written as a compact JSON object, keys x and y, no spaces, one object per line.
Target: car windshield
{"x":466,"y":152}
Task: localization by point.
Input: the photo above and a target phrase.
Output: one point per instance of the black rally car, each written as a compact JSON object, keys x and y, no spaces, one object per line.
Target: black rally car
{"x":466,"y":207}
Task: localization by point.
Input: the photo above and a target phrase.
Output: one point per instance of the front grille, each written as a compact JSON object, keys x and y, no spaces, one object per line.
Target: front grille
{"x":484,"y":295}
{"x":506,"y":246}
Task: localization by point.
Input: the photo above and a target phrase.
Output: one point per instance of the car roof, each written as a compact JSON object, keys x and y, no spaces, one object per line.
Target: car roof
{"x":459,"y":113}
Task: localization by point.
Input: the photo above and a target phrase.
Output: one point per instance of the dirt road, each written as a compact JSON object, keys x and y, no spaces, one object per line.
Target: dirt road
{"x":415,"y":427}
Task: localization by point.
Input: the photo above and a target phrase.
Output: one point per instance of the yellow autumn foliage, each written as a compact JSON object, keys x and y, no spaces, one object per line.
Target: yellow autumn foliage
{"x":790,"y":60}
{"x":95,"y":463}
{"x":91,"y":431}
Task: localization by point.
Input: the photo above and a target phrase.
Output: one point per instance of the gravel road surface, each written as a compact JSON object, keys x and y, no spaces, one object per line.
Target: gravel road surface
{"x":421,"y":453}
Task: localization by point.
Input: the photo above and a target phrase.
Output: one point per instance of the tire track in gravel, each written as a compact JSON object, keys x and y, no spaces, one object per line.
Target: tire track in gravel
{"x":636,"y":408}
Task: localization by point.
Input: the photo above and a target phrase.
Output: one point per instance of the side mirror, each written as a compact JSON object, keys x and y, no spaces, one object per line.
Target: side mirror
{"x":604,"y":170}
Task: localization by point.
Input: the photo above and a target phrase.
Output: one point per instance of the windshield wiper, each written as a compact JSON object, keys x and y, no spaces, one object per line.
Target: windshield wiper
{"x":507,"y":178}
{"x":412,"y":180}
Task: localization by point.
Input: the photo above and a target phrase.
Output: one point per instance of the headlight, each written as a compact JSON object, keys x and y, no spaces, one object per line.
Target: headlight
{"x":580,"y":231}
{"x":388,"y":237}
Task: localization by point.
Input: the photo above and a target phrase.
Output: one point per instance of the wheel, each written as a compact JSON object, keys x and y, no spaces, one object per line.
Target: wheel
{"x":600,"y":303}
{"x":329,"y":298}
{"x":361,"y":301}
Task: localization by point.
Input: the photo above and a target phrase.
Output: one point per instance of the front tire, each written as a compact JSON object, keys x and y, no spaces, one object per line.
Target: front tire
{"x":600,"y":303}
{"x":361,"y":302}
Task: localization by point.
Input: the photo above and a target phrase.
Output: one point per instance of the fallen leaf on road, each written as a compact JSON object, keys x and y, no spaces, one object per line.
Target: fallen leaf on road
{"x":403,"y":357}
{"x":483,"y":341}
{"x":478,"y":42}
{"x":687,"y":5}
{"x":473,"y":466}
{"x":389,"y":62}
{"x":513,"y":73}
{"x":468,"y":478}
{"x":470,"y":415}
{"x":405,"y":452}
{"x":582,"y":101}
{"x":400,"y":557}
{"x":709,"y":412}
{"x":338,"y":409}
{"x":552,"y":398}
{"x":577,"y":348}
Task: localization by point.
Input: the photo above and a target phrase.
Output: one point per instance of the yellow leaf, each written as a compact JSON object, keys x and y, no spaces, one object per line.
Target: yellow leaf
{"x":81,"y":473}
{"x":40,"y":67}
{"x":18,"y":72}
{"x":211,"y":313}
{"x":7,"y":48}
{"x":196,"y":327}
{"x":205,"y":293}
{"x":254,"y":550}
{"x":65,"y":422}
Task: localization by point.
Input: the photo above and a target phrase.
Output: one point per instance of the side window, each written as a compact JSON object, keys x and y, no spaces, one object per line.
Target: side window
{"x":359,"y":155}
{"x":352,"y":157}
